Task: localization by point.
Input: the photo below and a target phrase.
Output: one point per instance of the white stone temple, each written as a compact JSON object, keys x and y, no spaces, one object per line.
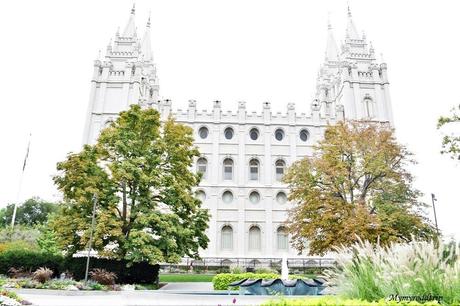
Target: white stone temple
{"x":244,"y":155}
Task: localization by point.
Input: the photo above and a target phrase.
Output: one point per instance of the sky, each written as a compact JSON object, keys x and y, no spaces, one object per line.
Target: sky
{"x":239,"y":50}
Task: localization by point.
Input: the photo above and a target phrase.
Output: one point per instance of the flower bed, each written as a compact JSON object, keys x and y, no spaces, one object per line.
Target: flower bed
{"x":8,"y":298}
{"x":68,"y":284}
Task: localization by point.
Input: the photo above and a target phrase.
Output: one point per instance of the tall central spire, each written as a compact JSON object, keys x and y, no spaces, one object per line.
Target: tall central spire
{"x":332,"y":51}
{"x":352,"y":32}
{"x":130,"y":28}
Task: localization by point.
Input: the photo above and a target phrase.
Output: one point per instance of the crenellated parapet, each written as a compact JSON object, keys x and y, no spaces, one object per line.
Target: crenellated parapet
{"x":242,"y":116}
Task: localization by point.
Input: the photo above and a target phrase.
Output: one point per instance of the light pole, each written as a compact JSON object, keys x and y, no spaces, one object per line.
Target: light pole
{"x":90,"y":244}
{"x":433,"y":199}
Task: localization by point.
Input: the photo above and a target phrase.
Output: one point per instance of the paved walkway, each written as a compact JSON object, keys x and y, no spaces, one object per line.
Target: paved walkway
{"x":133,"y":298}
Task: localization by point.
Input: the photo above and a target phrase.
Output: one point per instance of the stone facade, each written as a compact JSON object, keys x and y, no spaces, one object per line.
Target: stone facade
{"x":243,"y":155}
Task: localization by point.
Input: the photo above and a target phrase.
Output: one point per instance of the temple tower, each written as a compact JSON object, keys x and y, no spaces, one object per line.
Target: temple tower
{"x":126,"y":75}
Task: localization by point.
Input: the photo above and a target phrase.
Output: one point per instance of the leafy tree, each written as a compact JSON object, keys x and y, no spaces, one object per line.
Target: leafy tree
{"x":355,"y":184}
{"x":32,"y":212}
{"x":139,"y":172}
{"x":47,"y":240}
{"x":451,"y":142}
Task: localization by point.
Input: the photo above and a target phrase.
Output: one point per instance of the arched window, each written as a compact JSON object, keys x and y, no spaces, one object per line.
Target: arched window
{"x":281,"y":198}
{"x":282,"y":239}
{"x":228,"y":169}
{"x":227,"y":197}
{"x":368,"y":107}
{"x":254,"y":238}
{"x":254,"y":197}
{"x":201,"y":195}
{"x":202,"y":166}
{"x":280,"y":167}
{"x":254,"y":170}
{"x":227,"y":238}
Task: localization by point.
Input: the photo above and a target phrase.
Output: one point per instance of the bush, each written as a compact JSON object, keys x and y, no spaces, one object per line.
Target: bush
{"x":17,"y":245}
{"x":42,"y":275}
{"x":265,"y":270}
{"x":29,"y":260}
{"x":139,"y":273}
{"x":336,"y":301}
{"x":418,"y":268}
{"x":25,"y":235}
{"x":103,"y":277}
{"x":221,"y":281}
{"x":235,"y":269}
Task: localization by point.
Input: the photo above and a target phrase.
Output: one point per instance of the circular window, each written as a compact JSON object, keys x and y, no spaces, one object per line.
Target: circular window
{"x":228,"y":133}
{"x":254,"y":197}
{"x":203,"y":132}
{"x":279,"y":134}
{"x":304,"y":135}
{"x":254,"y":134}
{"x":281,"y":198}
{"x":227,"y":197}
{"x":201,"y":195}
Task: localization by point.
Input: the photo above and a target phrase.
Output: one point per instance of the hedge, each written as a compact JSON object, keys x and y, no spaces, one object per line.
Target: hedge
{"x":221,"y":281}
{"x":30,"y":260}
{"x":139,"y":273}
{"x":337,"y":301}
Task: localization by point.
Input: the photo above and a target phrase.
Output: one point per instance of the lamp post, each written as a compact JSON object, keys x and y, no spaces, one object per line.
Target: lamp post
{"x":90,"y":244}
{"x":433,"y":199}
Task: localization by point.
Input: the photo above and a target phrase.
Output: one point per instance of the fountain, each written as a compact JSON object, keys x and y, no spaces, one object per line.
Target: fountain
{"x":280,"y":286}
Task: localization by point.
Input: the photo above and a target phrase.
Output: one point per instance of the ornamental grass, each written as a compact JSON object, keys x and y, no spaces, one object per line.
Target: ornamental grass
{"x":416,"y":269}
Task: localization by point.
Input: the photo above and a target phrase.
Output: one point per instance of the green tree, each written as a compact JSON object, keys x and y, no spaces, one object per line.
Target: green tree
{"x":451,"y":141}
{"x":139,"y":172}
{"x":355,"y":184}
{"x":32,"y":212}
{"x":47,"y":240}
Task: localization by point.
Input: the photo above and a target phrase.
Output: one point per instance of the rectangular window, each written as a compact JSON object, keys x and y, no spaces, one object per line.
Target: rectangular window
{"x":228,"y":172}
{"x":202,"y":169}
{"x":254,"y":173}
{"x":279,"y":173}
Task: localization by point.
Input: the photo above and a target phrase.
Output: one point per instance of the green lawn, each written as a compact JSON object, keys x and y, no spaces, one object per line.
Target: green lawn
{"x":174,"y":278}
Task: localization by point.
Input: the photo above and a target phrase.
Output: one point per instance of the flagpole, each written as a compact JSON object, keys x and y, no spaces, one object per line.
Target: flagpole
{"x":13,"y":219}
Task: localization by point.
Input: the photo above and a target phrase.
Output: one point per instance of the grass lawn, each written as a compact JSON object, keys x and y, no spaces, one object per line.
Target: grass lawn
{"x":174,"y":278}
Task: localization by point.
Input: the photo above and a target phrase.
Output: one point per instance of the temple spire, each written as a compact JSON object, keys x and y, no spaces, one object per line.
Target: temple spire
{"x":352,"y":32}
{"x":332,"y":51}
{"x":130,"y":29}
{"x":146,"y":45}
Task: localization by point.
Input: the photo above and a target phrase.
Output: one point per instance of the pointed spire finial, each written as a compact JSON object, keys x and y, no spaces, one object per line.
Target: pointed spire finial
{"x":148,"y":21}
{"x":348,"y":8}
{"x":329,"y":26}
{"x":133,"y":10}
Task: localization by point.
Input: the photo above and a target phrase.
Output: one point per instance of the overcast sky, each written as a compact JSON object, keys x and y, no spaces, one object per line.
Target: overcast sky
{"x":239,"y":50}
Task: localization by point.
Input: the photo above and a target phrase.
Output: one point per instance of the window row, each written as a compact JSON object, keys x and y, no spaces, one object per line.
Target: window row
{"x":254,"y":239}
{"x":254,"y":133}
{"x":228,"y":169}
{"x":254,"y":197}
